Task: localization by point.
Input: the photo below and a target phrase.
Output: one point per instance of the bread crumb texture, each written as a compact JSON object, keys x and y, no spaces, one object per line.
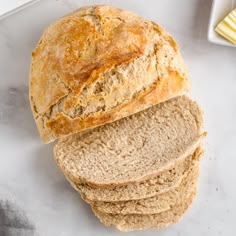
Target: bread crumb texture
{"x":152,"y":205}
{"x":134,"y":148}
{"x":140,"y":222}
{"x":159,"y":184}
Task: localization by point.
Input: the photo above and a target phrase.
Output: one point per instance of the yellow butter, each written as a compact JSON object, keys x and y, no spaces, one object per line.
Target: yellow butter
{"x":227,"y":27}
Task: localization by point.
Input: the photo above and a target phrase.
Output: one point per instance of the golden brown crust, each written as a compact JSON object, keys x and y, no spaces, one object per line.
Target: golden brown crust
{"x":63,"y":125}
{"x":87,"y":48}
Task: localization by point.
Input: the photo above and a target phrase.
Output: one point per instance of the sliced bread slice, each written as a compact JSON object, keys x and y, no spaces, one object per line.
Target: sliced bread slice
{"x":153,"y":205}
{"x":164,"y":182}
{"x":134,"y":148}
{"x":139,"y":222}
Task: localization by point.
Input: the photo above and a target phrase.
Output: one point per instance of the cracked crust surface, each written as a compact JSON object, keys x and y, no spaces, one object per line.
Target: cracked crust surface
{"x":99,"y":64}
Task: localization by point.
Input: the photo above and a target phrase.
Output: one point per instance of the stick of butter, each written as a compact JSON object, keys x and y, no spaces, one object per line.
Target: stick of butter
{"x":227,"y":27}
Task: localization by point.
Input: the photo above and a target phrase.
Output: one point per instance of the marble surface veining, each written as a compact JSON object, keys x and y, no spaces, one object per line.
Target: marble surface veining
{"x":35,"y":193}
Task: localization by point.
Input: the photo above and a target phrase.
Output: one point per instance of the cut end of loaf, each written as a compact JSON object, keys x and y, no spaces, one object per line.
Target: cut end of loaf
{"x":152,"y":140}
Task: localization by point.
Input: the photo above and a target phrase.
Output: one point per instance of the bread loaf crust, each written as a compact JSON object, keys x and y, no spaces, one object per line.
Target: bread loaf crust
{"x":99,"y":64}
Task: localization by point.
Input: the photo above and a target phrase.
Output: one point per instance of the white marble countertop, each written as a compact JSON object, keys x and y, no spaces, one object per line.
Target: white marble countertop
{"x":35,"y":198}
{"x":9,"y":5}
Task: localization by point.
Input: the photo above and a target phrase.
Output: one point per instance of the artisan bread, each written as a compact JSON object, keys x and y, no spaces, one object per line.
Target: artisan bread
{"x":99,"y":64}
{"x":165,"y":181}
{"x":139,"y":222}
{"x":155,"y":204}
{"x":134,"y":148}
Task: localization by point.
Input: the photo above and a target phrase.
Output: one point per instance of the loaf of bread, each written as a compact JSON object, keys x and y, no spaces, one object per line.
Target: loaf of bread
{"x":134,"y":148}
{"x":99,"y":64}
{"x":111,"y":86}
{"x":165,"y":181}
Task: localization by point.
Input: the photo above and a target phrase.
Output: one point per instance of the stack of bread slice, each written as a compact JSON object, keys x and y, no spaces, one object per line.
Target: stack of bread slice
{"x":140,"y":171}
{"x":110,"y":85}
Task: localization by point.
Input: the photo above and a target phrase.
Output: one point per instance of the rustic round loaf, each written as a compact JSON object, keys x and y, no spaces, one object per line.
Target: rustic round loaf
{"x":99,"y":64}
